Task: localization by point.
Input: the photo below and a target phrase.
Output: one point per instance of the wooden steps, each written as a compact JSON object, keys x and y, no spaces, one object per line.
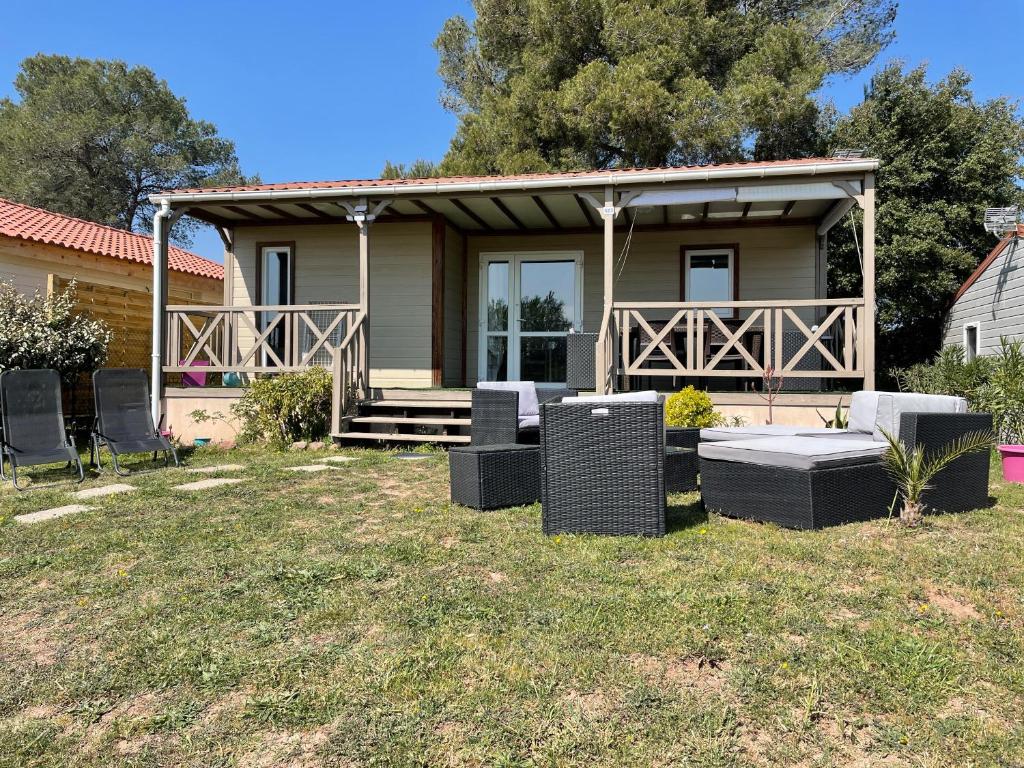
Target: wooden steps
{"x":401,"y":437}
{"x":411,"y":416}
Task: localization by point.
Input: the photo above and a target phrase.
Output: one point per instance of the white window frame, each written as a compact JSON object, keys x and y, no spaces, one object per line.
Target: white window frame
{"x":971,"y":354}
{"x":727,"y":251}
{"x":515,"y":260}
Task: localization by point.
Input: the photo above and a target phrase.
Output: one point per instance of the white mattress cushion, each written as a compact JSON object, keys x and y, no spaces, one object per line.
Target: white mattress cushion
{"x":795,"y":452}
{"x":529,"y":421}
{"x":527,"y":390}
{"x":714,"y":434}
{"x":892,"y":405}
{"x":649,"y":396}
{"x":873,"y":411}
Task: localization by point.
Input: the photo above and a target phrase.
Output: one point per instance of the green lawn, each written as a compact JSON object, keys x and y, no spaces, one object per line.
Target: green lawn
{"x":355,"y":618}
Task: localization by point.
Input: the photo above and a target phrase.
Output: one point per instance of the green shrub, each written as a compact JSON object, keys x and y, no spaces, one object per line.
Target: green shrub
{"x":691,"y":408}
{"x":285,"y":408}
{"x":950,"y":373}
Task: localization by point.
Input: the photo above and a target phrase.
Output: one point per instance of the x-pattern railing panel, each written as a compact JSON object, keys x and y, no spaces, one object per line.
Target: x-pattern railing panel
{"x":833,"y":346}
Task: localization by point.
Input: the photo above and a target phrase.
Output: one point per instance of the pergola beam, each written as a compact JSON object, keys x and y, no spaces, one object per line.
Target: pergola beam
{"x":470,"y":213}
{"x":547,"y":211}
{"x":507,"y":213}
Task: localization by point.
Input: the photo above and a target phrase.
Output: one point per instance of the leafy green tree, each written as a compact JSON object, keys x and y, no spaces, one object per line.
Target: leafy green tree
{"x":944,"y":158}
{"x":418,"y":169}
{"x":94,"y":139}
{"x":544,"y":85}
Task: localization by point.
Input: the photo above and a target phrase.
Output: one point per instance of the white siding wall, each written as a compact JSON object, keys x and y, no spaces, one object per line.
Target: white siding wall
{"x":995,"y":301}
{"x":326,"y":269}
{"x":774,"y":263}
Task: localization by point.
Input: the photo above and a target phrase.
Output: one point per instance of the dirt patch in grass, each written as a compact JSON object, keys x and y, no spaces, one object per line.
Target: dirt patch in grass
{"x":693,"y":672}
{"x":955,"y":607}
{"x":28,"y":635}
{"x":597,"y":703}
{"x":287,"y":749}
{"x":226,"y":706}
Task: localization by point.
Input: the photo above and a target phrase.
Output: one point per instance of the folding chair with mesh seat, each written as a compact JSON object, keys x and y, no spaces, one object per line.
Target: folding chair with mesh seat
{"x":123,"y":420}
{"x":33,"y":424}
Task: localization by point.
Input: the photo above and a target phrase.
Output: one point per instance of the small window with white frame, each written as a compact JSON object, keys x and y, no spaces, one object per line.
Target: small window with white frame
{"x":972,"y":340}
{"x":709,"y":275}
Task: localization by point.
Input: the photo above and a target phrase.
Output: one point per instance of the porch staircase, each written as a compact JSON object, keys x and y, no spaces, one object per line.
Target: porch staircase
{"x":440,"y":416}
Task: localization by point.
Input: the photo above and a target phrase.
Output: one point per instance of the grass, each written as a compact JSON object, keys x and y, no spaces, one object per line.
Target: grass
{"x":354,"y":617}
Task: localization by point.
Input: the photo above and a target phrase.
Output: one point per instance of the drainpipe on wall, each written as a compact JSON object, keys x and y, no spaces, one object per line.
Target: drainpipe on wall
{"x":160,"y":219}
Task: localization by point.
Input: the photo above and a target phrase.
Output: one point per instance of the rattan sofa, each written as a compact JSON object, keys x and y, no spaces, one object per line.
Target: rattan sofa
{"x":816,"y":481}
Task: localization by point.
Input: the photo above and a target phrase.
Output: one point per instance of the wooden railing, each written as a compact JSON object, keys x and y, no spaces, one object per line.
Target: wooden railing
{"x":797,"y":338}
{"x":349,"y":369}
{"x":258,"y":339}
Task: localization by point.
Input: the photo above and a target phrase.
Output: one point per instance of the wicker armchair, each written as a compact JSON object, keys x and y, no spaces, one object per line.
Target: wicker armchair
{"x":495,"y":416}
{"x":603,"y":468}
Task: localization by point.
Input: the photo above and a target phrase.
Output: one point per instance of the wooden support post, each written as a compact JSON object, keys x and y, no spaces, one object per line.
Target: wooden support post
{"x":603,"y":361}
{"x":364,"y":305}
{"x":869,"y":281}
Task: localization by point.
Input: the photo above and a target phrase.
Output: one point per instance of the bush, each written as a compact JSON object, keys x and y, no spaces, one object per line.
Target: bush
{"x":691,"y":408}
{"x":46,"y":332}
{"x":948,"y":374}
{"x":991,"y":384}
{"x":285,"y":408}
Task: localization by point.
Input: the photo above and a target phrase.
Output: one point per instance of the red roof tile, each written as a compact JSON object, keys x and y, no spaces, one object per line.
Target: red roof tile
{"x":752,"y":165}
{"x":38,"y":225}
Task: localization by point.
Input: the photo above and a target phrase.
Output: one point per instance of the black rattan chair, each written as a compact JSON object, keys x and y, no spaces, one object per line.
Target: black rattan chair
{"x":603,"y":468}
{"x":123,"y":420}
{"x":495,"y":416}
{"x":33,"y":424}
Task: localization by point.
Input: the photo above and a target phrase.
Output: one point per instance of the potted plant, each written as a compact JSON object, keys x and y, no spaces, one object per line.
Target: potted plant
{"x":687,"y":412}
{"x":1003,"y":397}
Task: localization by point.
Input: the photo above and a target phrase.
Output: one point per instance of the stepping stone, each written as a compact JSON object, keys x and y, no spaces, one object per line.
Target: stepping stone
{"x":212,"y":482}
{"x":412,"y":456}
{"x":51,"y":514}
{"x":103,"y":490}
{"x":337,"y":459}
{"x":217,"y":468}
{"x":310,"y":468}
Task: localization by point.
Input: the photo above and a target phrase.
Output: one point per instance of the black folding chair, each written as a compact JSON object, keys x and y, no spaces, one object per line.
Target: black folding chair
{"x":123,"y":420}
{"x":33,"y":424}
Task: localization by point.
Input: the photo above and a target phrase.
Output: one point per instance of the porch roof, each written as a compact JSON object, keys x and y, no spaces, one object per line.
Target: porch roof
{"x":704,"y":196}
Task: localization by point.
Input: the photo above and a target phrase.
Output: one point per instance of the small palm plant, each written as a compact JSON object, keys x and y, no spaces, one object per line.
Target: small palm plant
{"x":913,"y":472}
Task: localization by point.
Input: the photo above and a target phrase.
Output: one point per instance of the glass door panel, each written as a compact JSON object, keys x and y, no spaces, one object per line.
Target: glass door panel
{"x":547,"y":310}
{"x":497,"y":325}
{"x":276,"y":291}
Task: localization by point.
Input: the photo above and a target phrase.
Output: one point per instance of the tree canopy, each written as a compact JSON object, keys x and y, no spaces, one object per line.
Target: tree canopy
{"x":544,"y":85}
{"x":944,"y":159}
{"x":94,"y":139}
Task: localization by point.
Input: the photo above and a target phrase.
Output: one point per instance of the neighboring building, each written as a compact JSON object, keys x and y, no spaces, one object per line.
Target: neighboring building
{"x":990,"y":303}
{"x":705,"y":274}
{"x":43,"y":251}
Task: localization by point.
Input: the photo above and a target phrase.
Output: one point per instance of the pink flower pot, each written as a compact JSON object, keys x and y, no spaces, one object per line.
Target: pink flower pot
{"x":1013,"y":463}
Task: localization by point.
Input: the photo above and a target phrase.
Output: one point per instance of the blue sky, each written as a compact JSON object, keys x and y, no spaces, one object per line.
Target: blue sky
{"x":328,"y":90}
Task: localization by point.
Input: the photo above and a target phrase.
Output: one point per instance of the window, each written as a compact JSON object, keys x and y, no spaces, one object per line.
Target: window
{"x":972,"y":340}
{"x":709,"y":275}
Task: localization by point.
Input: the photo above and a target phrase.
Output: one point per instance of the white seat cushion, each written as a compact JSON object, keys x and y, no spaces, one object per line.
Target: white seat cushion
{"x":529,"y":421}
{"x":527,"y":390}
{"x":649,"y":396}
{"x":804,"y":453}
{"x":715,"y":434}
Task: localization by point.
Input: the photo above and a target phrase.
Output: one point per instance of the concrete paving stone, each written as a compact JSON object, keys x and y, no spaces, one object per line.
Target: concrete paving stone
{"x":51,"y":514}
{"x":310,"y":468}
{"x":103,"y":490}
{"x":213,"y":469}
{"x":337,"y":459}
{"x":212,"y":482}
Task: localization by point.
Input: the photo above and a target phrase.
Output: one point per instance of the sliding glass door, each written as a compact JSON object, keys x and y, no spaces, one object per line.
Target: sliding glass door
{"x":529,"y":303}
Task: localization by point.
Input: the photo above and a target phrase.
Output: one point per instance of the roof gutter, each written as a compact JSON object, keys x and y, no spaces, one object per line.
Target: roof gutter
{"x":523,"y":185}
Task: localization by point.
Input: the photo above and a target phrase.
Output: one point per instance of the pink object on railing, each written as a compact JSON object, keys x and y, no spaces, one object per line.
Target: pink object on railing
{"x":1013,"y":463}
{"x":194,"y":379}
